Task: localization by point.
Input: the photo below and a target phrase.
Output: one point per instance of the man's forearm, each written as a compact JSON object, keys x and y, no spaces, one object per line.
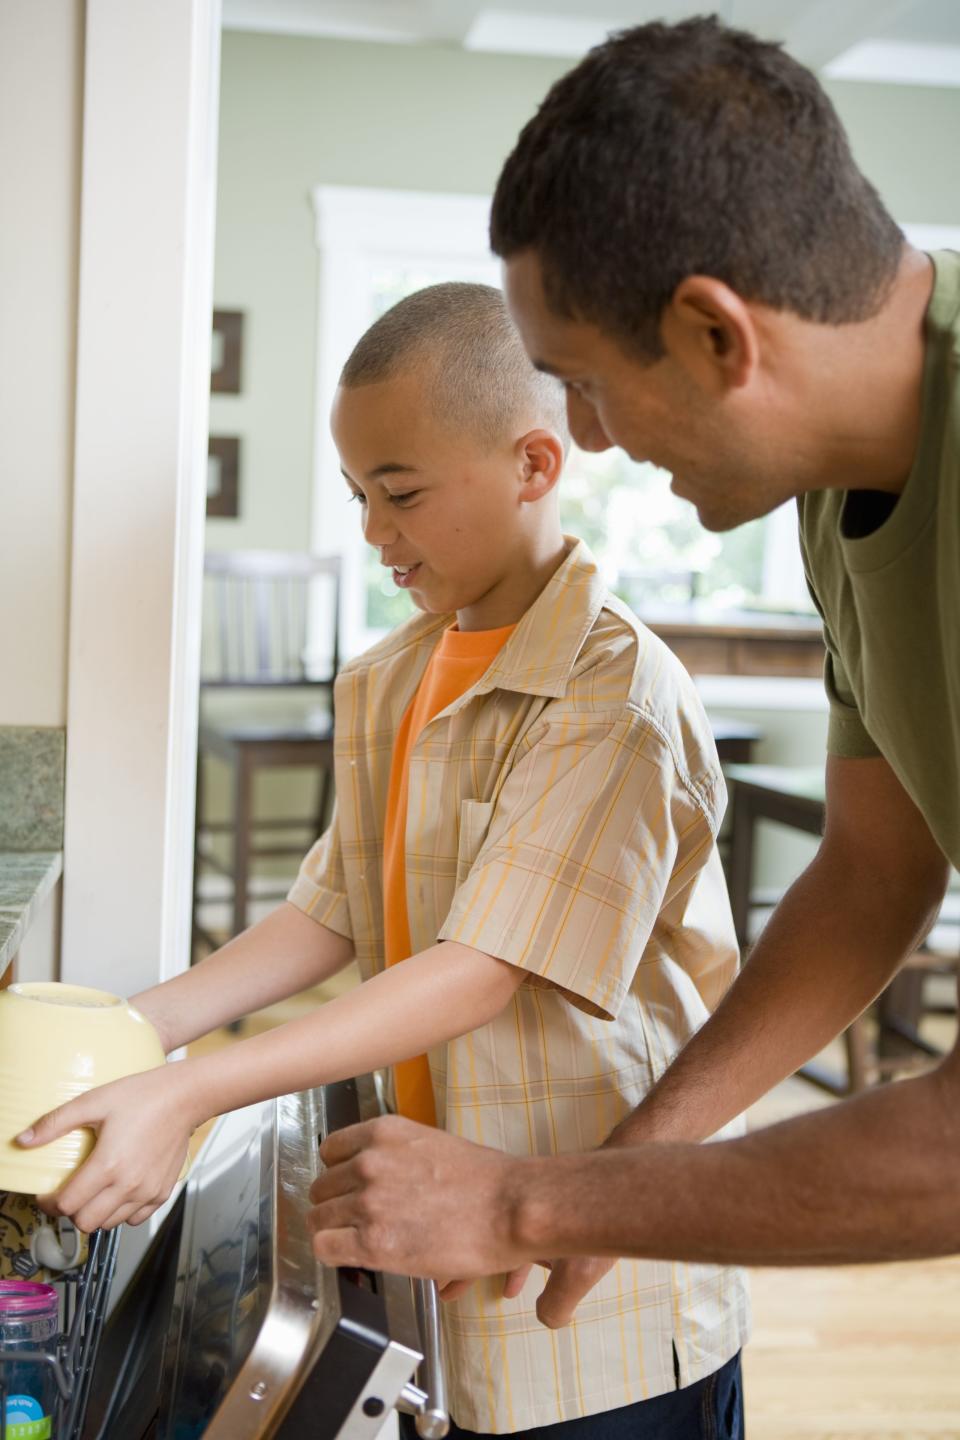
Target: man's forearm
{"x":403,"y":1012}
{"x":281,"y":955}
{"x":876,"y":1178}
{"x":829,"y":949}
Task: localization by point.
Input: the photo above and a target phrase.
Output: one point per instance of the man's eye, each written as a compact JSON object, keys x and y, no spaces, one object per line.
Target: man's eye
{"x":358,"y":496}
{"x":401,"y":499}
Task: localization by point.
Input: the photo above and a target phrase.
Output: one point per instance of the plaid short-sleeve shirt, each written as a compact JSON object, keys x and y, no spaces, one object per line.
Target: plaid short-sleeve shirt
{"x":562,"y":816}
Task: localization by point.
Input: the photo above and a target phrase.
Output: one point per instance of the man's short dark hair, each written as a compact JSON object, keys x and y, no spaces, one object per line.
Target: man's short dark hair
{"x":692,"y":149}
{"x":462,"y":337}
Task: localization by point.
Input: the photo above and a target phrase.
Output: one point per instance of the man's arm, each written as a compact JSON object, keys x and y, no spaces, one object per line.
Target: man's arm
{"x":876,"y":1178}
{"x":281,"y":955}
{"x":843,"y":1184}
{"x":431,"y":998}
{"x":831,"y":946}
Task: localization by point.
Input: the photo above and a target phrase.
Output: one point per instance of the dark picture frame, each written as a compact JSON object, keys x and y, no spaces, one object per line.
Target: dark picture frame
{"x":223,"y":477}
{"x":227,"y":357}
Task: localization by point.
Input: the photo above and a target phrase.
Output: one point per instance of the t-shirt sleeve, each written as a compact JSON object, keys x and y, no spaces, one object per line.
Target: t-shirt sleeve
{"x":847,"y":736}
{"x":320,"y":889}
{"x":594,"y":830}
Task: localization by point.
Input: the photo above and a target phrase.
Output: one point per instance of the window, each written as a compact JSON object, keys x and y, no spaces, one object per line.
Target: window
{"x":377,"y":246}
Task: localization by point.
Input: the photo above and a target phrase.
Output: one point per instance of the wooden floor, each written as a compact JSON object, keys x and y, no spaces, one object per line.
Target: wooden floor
{"x":858,"y":1353}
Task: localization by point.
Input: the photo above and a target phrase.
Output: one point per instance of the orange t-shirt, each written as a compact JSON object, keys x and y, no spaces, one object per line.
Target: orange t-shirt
{"x":458,"y":662}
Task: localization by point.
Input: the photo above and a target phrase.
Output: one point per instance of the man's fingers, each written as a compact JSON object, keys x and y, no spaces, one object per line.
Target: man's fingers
{"x":569,"y":1282}
{"x":453,"y":1289}
{"x":338,"y":1247}
{"x":344,"y":1145}
{"x":342,"y":1179}
{"x":515,"y":1281}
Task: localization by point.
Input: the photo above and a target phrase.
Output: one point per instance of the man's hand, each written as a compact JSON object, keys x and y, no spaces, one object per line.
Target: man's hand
{"x":415,"y":1201}
{"x":569,"y":1282}
{"x":513,"y":1283}
{"x":142,"y":1124}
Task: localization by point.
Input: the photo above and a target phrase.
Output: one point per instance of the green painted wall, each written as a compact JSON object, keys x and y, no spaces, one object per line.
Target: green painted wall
{"x":296,"y":113}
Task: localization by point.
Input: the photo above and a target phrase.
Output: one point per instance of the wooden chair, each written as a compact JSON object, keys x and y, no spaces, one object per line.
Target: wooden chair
{"x":266,"y":701}
{"x":885,"y":1042}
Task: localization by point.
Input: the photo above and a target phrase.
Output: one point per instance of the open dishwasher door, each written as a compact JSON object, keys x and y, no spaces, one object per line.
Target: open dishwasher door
{"x":253,"y":1337}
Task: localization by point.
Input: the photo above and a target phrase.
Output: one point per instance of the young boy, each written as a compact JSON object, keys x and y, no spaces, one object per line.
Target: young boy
{"x":522,"y":861}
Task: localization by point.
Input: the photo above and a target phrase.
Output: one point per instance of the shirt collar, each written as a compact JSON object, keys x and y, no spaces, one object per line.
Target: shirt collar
{"x":540,"y":655}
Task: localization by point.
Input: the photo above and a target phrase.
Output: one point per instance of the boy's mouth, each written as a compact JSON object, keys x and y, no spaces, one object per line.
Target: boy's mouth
{"x":403,"y":575}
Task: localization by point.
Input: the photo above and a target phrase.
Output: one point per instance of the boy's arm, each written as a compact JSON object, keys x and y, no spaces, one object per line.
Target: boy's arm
{"x":279,"y":956}
{"x":431,"y":998}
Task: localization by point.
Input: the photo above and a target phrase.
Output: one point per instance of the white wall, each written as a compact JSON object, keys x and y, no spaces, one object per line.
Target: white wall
{"x":41,"y":87}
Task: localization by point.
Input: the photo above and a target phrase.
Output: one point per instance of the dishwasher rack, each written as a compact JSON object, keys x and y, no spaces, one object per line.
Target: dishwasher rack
{"x":84,"y":1295}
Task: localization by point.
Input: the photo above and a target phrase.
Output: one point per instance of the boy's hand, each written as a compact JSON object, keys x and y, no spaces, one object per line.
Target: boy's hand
{"x":143,"y":1124}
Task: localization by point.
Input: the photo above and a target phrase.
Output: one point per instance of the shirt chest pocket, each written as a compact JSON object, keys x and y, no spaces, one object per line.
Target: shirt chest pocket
{"x":475,"y":816}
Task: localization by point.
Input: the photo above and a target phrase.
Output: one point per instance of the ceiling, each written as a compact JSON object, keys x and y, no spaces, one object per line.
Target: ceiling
{"x":913,"y":41}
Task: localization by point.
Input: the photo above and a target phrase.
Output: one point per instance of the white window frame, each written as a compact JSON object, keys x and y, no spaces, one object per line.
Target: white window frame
{"x":358,"y":229}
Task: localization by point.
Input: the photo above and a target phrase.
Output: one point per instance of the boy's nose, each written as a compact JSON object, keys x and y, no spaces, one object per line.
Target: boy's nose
{"x":379,"y":529}
{"x":585,"y":428}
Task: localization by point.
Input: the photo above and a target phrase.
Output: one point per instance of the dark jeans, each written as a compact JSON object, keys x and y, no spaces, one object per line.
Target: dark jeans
{"x":711,"y":1409}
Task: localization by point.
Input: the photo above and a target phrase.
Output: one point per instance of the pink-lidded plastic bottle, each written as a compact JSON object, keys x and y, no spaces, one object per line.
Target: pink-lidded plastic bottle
{"x":29,"y":1321}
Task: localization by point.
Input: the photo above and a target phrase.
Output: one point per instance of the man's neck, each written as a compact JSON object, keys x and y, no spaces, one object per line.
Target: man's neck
{"x":869,"y":387}
{"x":858,"y":389}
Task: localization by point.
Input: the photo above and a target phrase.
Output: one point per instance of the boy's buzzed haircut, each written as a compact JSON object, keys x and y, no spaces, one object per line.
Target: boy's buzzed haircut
{"x":692,"y":149}
{"x":481,"y":378}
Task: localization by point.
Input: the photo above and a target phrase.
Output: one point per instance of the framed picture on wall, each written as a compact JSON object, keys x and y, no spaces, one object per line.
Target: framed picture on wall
{"x":226,"y":352}
{"x":223,"y":477}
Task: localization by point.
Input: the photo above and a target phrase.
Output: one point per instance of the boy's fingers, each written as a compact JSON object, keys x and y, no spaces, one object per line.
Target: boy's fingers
{"x":56,"y":1123}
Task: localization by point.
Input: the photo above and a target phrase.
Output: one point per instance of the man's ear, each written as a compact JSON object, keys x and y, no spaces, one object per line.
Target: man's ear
{"x":540,"y":453}
{"x":710,"y":331}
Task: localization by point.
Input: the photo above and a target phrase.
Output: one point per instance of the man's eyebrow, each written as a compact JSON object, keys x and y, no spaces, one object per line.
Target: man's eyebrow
{"x":389,"y":467}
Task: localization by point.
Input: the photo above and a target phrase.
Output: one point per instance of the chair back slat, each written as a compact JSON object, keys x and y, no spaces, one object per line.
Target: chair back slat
{"x":268,"y":615}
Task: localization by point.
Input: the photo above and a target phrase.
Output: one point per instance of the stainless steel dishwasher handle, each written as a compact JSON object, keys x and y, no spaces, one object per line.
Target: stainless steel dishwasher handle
{"x":428,"y":1403}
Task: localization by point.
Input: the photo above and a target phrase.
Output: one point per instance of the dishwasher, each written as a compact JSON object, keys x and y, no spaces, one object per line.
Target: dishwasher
{"x":231,"y":1329}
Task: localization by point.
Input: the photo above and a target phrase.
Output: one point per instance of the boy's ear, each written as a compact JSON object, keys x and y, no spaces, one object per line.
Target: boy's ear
{"x":710,"y":330}
{"x":541,"y":458}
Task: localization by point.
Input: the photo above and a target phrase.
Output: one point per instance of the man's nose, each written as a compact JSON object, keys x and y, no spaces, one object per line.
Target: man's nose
{"x":585,"y":428}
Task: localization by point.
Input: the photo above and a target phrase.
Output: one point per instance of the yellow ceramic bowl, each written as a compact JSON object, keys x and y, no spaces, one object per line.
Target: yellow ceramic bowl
{"x":56,"y":1041}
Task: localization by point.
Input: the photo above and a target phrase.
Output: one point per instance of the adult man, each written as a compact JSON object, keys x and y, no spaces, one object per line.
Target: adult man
{"x":691,"y":249}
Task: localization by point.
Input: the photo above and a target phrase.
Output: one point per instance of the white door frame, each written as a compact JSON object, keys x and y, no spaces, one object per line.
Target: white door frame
{"x":147,"y":206}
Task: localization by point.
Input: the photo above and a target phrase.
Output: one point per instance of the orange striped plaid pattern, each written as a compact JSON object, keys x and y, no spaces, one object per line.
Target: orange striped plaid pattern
{"x":562,"y":816}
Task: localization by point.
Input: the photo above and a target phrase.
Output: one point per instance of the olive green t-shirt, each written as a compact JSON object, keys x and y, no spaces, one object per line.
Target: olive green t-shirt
{"x":884,"y":572}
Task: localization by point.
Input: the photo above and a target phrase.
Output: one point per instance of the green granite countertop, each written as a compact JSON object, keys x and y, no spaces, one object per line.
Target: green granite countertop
{"x":26,"y":879}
